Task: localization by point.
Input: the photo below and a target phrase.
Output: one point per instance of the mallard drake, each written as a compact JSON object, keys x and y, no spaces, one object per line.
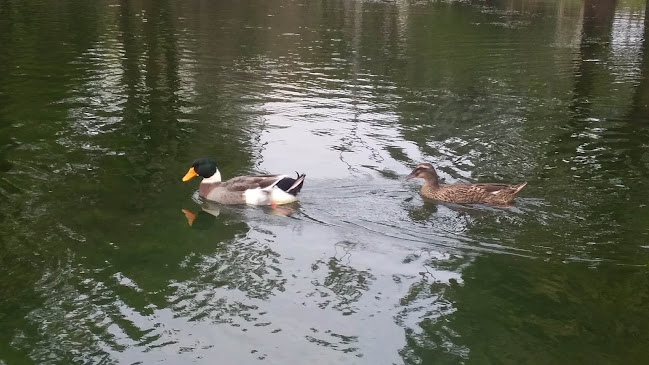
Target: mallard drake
{"x":255,"y":189}
{"x":498,"y":194}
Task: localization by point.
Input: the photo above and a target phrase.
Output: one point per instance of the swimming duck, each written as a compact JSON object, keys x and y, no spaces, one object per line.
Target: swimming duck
{"x":497,"y":194}
{"x":254,"y":189}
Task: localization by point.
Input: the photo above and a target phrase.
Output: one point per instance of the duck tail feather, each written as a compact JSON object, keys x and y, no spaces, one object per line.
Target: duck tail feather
{"x":297,"y":185}
{"x":289,"y":184}
{"x":295,"y":188}
{"x":519,"y":187}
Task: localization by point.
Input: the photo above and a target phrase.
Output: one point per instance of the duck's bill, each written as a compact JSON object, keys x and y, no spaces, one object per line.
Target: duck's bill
{"x":190,"y":174}
{"x":411,"y":176}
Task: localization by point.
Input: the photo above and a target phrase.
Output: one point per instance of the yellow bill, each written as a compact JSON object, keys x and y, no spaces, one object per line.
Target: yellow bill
{"x":190,"y":174}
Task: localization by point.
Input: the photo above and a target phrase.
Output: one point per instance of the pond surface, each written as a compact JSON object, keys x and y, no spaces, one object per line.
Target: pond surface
{"x":105,"y":104}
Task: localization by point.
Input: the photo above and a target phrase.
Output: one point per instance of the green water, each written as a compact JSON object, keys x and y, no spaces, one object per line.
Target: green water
{"x":105,"y":104}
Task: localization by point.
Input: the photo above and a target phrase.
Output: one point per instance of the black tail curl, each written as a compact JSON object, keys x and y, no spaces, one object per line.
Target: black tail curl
{"x":291,"y":185}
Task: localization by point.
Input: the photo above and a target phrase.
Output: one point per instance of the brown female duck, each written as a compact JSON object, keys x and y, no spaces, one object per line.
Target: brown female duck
{"x":254,"y":189}
{"x":497,"y":194}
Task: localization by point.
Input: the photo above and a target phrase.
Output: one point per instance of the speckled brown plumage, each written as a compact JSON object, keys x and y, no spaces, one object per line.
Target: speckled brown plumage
{"x":489,"y":193}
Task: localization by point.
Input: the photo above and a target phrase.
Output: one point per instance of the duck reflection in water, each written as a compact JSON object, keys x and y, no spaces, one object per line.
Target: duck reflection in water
{"x":202,"y":220}
{"x":206,"y":217}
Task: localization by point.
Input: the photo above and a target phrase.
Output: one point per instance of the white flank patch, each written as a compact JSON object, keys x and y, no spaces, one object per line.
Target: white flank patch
{"x":279,"y":196}
{"x":256,"y":197}
{"x":266,"y":196}
{"x":270,"y":194}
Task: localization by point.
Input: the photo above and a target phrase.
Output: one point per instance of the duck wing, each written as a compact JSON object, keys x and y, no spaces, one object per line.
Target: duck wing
{"x":499,"y":193}
{"x":242,"y":183}
{"x":492,"y":187}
